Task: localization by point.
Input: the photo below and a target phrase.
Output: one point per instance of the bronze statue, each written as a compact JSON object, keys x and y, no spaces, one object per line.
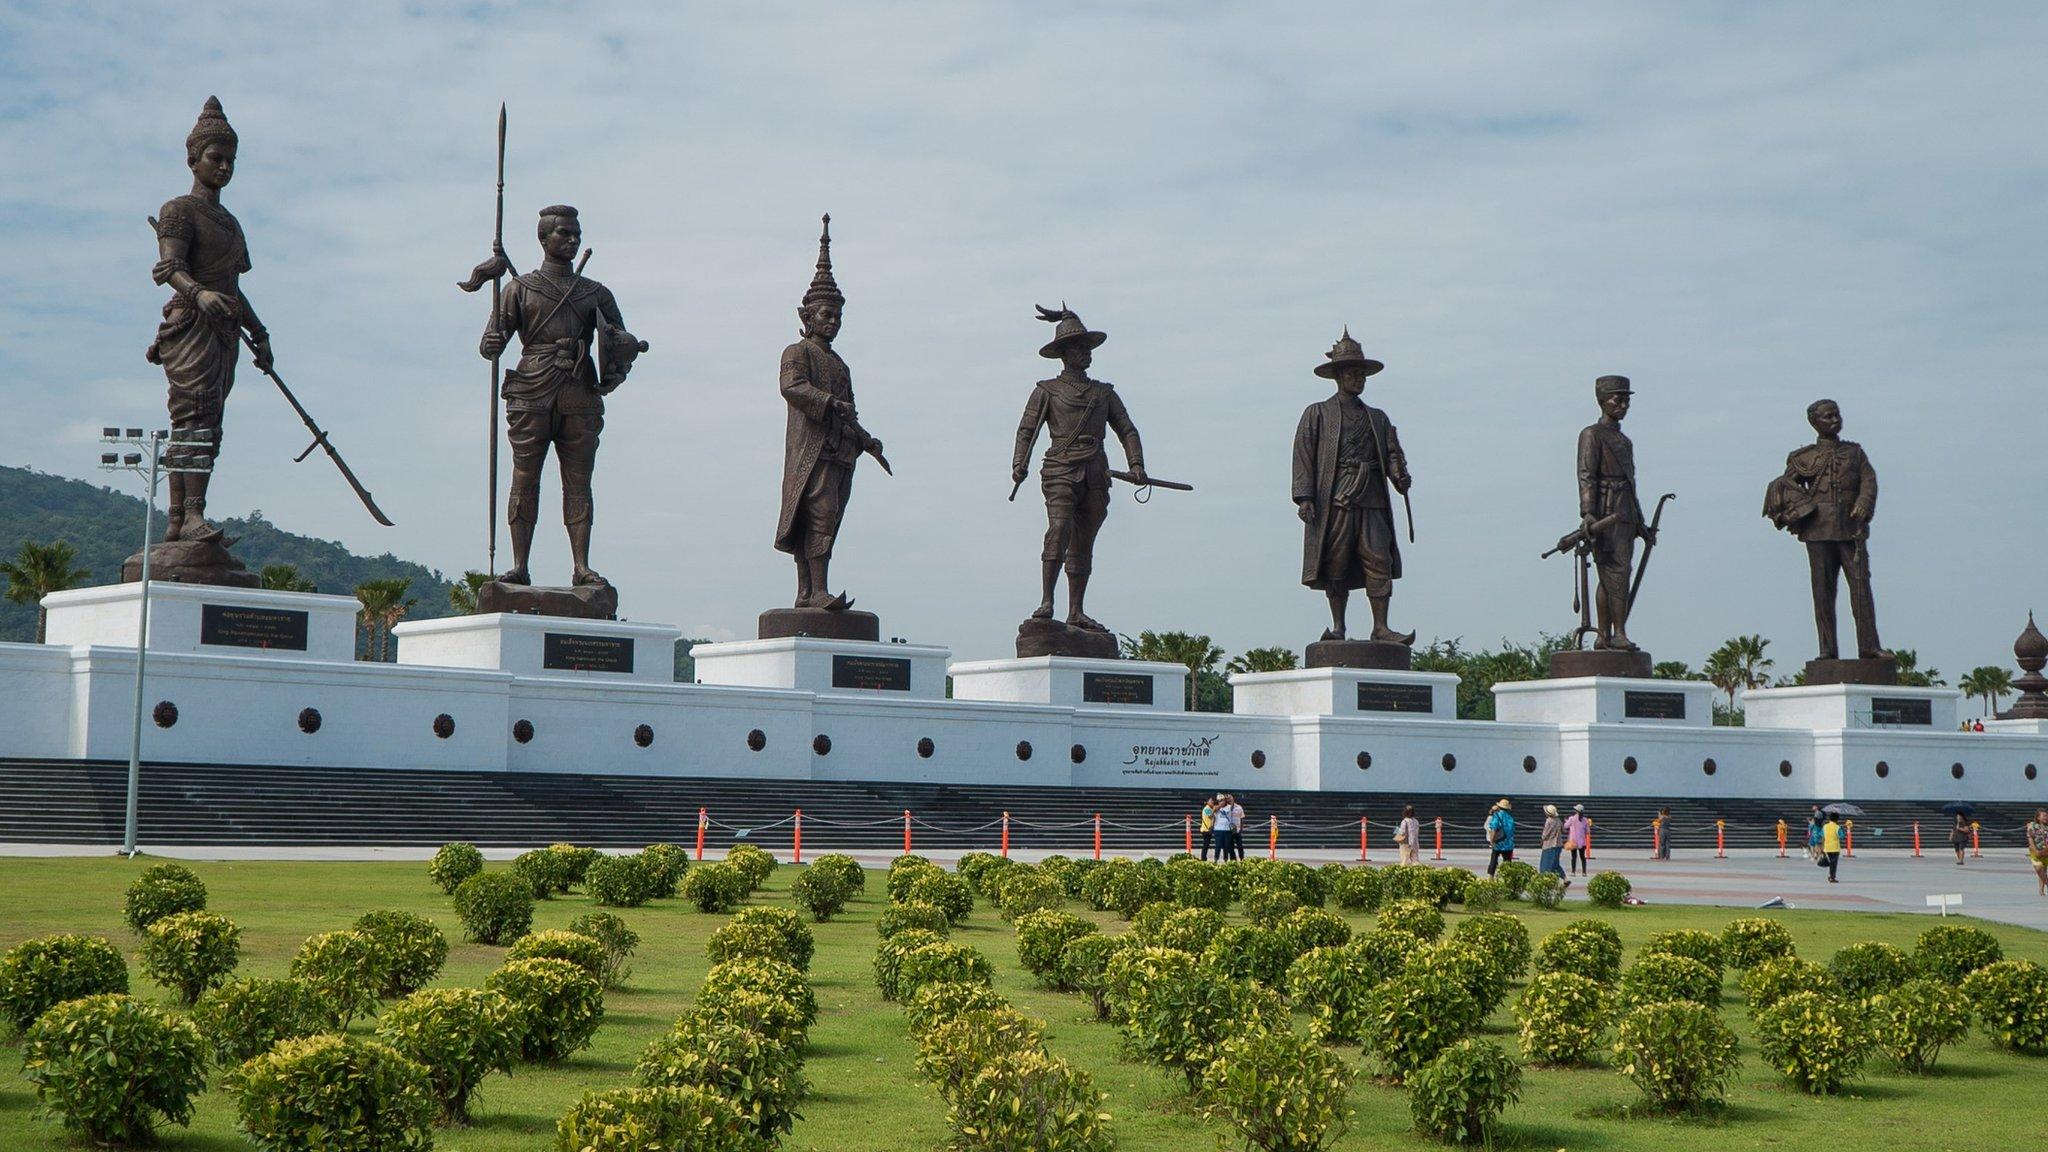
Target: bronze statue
{"x":823,"y":441}
{"x":554,"y":397}
{"x":1610,"y":516}
{"x":1827,"y":497}
{"x":1074,"y":473}
{"x":201,"y":255}
{"x":1346,"y":454}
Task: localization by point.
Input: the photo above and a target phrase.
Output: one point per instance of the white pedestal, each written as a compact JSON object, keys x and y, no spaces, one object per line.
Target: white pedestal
{"x":1074,"y":682}
{"x":1834,"y":707}
{"x":1368,"y":693}
{"x":2017,"y":727}
{"x":207,"y":618}
{"x":1606,"y":700}
{"x":827,"y":667}
{"x":545,"y":646}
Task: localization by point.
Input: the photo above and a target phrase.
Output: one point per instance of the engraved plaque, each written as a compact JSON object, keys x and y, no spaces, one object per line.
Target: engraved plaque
{"x":1901,"y":710}
{"x":570,"y":652}
{"x":233,"y":626}
{"x":1653,"y":705}
{"x":1115,"y":688}
{"x":871,"y":673}
{"x":1394,"y":697}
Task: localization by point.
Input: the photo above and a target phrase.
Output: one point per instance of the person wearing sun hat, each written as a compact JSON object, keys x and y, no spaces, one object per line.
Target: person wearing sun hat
{"x":1551,"y":859}
{"x":1500,"y":834}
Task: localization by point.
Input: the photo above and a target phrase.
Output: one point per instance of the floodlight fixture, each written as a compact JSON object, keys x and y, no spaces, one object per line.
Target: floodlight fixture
{"x":110,"y":433}
{"x":135,"y":434}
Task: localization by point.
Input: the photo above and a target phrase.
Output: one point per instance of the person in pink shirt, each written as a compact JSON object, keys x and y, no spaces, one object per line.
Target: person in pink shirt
{"x":1578,"y":832}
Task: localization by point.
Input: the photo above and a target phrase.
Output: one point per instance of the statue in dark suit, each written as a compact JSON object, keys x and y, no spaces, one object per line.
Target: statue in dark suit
{"x":1346,"y":454}
{"x":1610,"y":515}
{"x":1827,"y":497}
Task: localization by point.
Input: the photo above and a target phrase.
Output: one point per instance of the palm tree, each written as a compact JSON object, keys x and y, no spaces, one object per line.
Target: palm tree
{"x":1197,"y":653}
{"x":38,"y":570}
{"x":1739,"y":665}
{"x":285,"y":578}
{"x":384,"y":604}
{"x":1263,"y":660}
{"x":1910,"y":672}
{"x":1673,"y":670}
{"x":1990,"y":682}
{"x":462,"y":594}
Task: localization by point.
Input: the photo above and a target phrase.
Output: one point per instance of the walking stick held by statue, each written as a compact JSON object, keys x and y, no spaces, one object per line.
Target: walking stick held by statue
{"x":495,"y":270}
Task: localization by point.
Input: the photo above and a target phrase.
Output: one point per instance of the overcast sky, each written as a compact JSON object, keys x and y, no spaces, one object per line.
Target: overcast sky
{"x":1741,"y":206}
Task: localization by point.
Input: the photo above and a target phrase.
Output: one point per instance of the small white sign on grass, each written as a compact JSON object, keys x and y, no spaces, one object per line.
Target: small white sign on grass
{"x":1945,"y":900}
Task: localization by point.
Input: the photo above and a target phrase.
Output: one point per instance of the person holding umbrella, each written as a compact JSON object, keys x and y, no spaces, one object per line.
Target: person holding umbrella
{"x":1959,"y":832}
{"x":1831,"y":843}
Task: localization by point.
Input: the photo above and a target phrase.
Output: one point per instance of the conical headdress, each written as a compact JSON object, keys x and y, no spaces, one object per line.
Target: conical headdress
{"x":824,"y":289}
{"x":212,"y":126}
{"x":1346,"y":351}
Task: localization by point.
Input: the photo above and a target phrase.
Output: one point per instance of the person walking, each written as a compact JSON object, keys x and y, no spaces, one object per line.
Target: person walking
{"x":1236,"y":829}
{"x":1219,"y":823}
{"x":1500,"y":835}
{"x":1578,"y":833}
{"x":1663,"y":834}
{"x":1551,"y":858}
{"x":1208,"y":824}
{"x":2037,"y":847}
{"x":1831,"y":845}
{"x":1959,"y":836}
{"x":1408,"y":836}
{"x":1813,"y":826}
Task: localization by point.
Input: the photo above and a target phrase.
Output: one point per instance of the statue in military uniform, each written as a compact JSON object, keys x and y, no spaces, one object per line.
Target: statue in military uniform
{"x":1827,"y":497}
{"x":1346,"y":454}
{"x":554,"y":397}
{"x":1078,"y":412}
{"x":823,"y":441}
{"x":1610,"y":515}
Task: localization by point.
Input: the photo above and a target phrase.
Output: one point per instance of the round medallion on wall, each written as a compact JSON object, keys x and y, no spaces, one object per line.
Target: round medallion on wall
{"x":1956,"y":770}
{"x":1785,"y":768}
{"x":309,"y":720}
{"x":1077,"y":753}
{"x":756,"y":740}
{"x":1023,"y":749}
{"x":1708,"y":766}
{"x":821,"y":744}
{"x":1364,"y":761}
{"x":1528,"y":763}
{"x":643,"y":735}
{"x":444,"y":726}
{"x":1450,"y":762}
{"x":1258,"y":758}
{"x":2030,"y":772}
{"x":1883,"y":769}
{"x":165,"y":714}
{"x":522,"y":731}
{"x":1628,"y":765}
{"x":925,"y":747}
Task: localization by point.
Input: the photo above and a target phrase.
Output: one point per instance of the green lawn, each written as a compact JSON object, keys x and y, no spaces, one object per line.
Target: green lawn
{"x":867,"y":1094}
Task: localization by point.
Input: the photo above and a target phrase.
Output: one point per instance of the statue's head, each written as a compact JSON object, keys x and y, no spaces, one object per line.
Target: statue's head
{"x":1077,"y":355}
{"x":1825,"y":416}
{"x":561,"y":234}
{"x":210,"y":147}
{"x":1351,"y":378}
{"x":821,"y":318}
{"x":1613,"y":393}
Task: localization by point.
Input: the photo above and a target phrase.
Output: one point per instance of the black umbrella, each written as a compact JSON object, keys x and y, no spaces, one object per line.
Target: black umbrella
{"x":1842,"y":810}
{"x":1958,"y":808}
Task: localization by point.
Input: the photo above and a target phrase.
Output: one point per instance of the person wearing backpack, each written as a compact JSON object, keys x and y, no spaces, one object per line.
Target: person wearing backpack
{"x":1408,"y":835}
{"x":1500,"y":835}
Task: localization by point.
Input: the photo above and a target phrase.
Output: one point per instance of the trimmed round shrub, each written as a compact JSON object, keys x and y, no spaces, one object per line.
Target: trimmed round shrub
{"x":1562,"y":1017}
{"x":407,"y":950}
{"x":38,"y":974}
{"x":1199,"y":884}
{"x":1482,"y":974}
{"x":1084,"y":966}
{"x":1252,"y":952}
{"x":905,"y":871}
{"x":1358,"y":889}
{"x":1750,"y":941}
{"x":1515,"y":874}
{"x":1188,"y":929}
{"x":1911,"y":1023}
{"x":1309,"y":886}
{"x":495,"y":907}
{"x":243,"y":1018}
{"x":560,"y":1006}
{"x":770,"y":978}
{"x":1504,"y":940}
{"x":1950,"y":952}
{"x":1384,"y":954}
{"x":1267,"y":905}
{"x":1609,"y":890}
{"x":845,"y":867}
{"x":1042,"y":937}
{"x":571,"y":863}
{"x":1662,"y":976}
{"x":163,"y":890}
{"x":1024,"y":892}
{"x":1866,"y":969}
{"x":1773,"y":980}
{"x":942,"y":963}
{"x":775,"y":1019}
{"x":617,"y":939}
{"x":1407,"y":882}
{"x":753,"y":862}
{"x":978,"y":869}
{"x":1679,"y":1054}
{"x":190,"y":952}
{"x":459,"y":1035}
{"x":763,"y":1078}
{"x":1590,"y":948}
{"x":943,"y":890}
{"x":1415,"y":918}
{"x":798,"y":945}
{"x":1335,"y":986}
{"x":453,"y":864}
{"x":1315,"y":928}
{"x":1181,"y":1020}
{"x":111,"y":1067}
{"x":904,"y":917}
{"x":334,"y":1091}
{"x":1123,"y":887}
{"x":1278,"y":1090}
{"x":555,"y":944}
{"x":715,"y":888}
{"x":890,"y":952}
{"x":341,"y":969}
{"x":1817,"y":1041}
{"x":1458,"y":1096}
{"x":640,"y":1119}
{"x":1132,"y":972}
{"x":821,"y":893}
{"x":1690,"y":943}
{"x":1486,"y":895}
{"x":1415,"y":1016}
{"x":546,"y":873}
{"x":664,"y":865}
{"x":1071,"y":873}
{"x":1546,"y":890}
{"x":2012,"y":1000}
{"x":1029,"y":1100}
{"x":620,"y":881}
{"x":953,"y":1050}
{"x":734,"y":941}
{"x":934,"y":1004}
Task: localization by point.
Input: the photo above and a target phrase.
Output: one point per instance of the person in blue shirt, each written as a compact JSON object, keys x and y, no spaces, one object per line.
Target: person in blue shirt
{"x":1500,"y":835}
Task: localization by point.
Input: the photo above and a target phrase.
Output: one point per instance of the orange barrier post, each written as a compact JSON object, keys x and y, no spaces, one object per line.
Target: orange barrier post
{"x":1849,"y":838}
{"x":1364,"y":852}
{"x":1976,"y":848}
{"x":702,"y":819}
{"x":796,"y":846}
{"x":1098,"y":835}
{"x":1656,"y":836}
{"x":1781,"y":838}
{"x":1720,"y":839}
{"x":1006,"y":835}
{"x":1439,"y":837}
{"x":1272,"y":837}
{"x":1916,"y":839}
{"x":1187,"y":833}
{"x":906,"y":831}
{"x":1589,"y":838}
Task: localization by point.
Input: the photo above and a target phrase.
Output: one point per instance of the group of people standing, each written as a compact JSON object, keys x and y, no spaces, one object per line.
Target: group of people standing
{"x":1223,"y":827}
{"x":1561,"y":834}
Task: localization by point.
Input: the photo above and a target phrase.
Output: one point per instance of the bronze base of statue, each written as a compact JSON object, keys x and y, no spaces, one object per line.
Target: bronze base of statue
{"x":582,"y":602}
{"x":1571,"y":664}
{"x":820,"y":623}
{"x":191,"y":562}
{"x":1379,"y":654}
{"x":1882,"y":670}
{"x":1058,"y":638}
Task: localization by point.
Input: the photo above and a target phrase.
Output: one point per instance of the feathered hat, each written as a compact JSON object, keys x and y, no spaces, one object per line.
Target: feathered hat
{"x":1067,"y":329}
{"x":213,"y":126}
{"x":1346,"y":351}
{"x":824,"y":289}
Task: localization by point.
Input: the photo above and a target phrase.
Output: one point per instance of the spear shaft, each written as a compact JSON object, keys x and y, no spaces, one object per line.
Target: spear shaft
{"x":491,"y":433}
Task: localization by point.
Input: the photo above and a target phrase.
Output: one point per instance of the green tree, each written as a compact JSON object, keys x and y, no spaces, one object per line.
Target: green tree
{"x":1738,"y":665}
{"x":462,"y":593}
{"x":1479,"y":671}
{"x":38,"y":570}
{"x":1264,"y":660}
{"x":1990,"y":682}
{"x":1910,"y":672}
{"x":1196,"y":653}
{"x":384,"y":604}
{"x":283,"y":577}
{"x":1673,"y":670}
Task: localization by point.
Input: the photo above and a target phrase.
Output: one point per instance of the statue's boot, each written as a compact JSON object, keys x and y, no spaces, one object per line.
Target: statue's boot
{"x":174,"y":518}
{"x":516,"y":574}
{"x":196,"y":527}
{"x":1084,"y":621}
{"x":586,"y":577}
{"x":837,"y":602}
{"x":1380,"y":631}
{"x":1333,"y":633}
{"x":1620,"y":642}
{"x":1876,"y":654}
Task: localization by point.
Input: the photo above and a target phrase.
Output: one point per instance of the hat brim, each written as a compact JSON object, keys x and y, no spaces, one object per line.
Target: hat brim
{"x":1328,"y":370}
{"x":1052,"y":351}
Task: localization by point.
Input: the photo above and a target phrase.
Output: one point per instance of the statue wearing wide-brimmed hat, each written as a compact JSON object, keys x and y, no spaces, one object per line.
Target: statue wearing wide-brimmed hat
{"x":1346,"y":456}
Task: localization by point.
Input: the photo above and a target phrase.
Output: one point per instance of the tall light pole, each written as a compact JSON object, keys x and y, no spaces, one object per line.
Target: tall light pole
{"x":150,"y":464}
